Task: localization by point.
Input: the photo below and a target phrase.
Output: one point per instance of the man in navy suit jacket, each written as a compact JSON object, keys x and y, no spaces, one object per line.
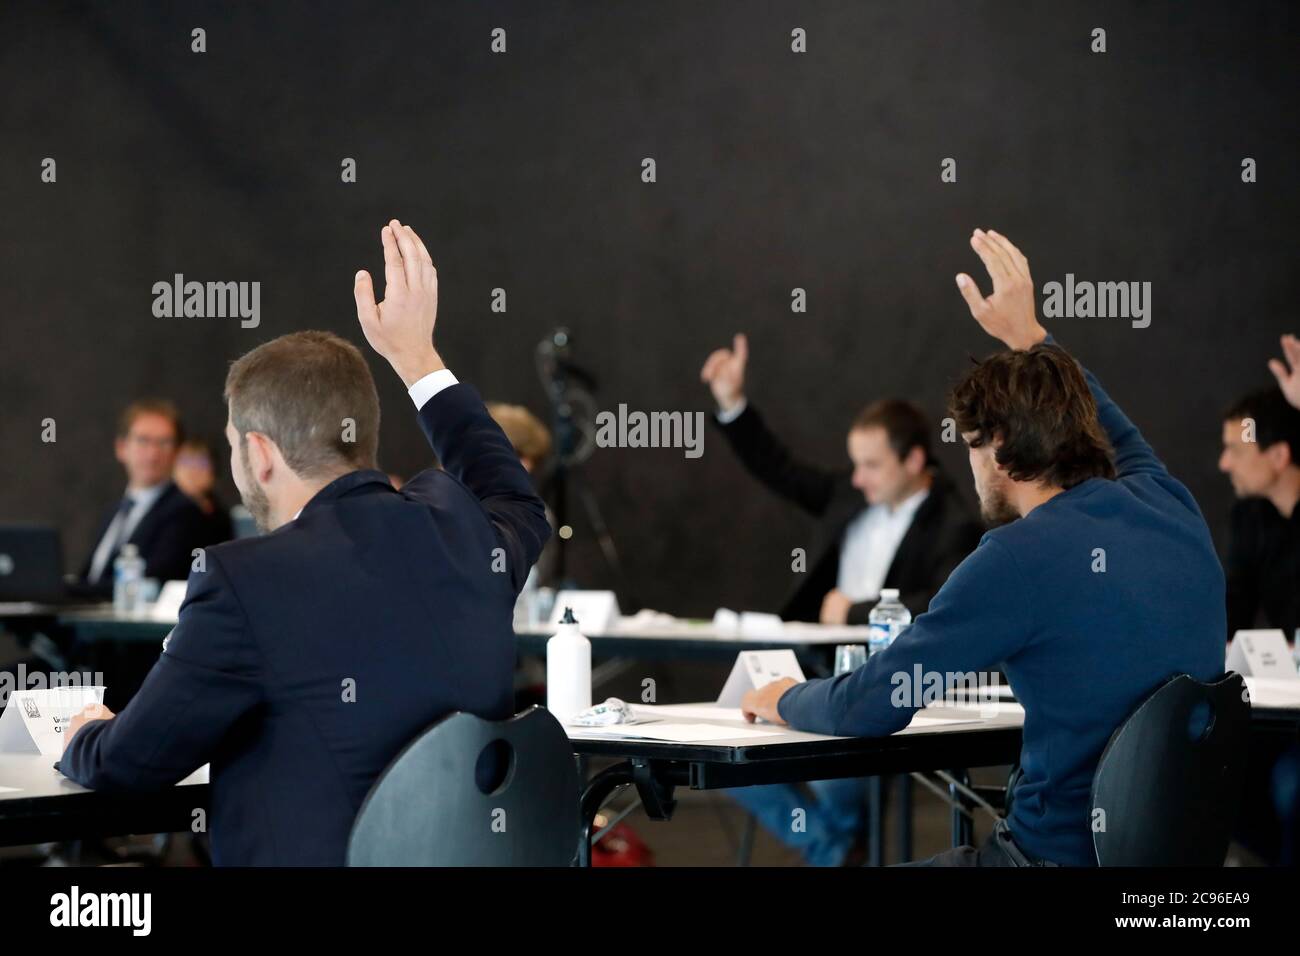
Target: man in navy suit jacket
{"x":153,"y":514}
{"x":305,"y":659}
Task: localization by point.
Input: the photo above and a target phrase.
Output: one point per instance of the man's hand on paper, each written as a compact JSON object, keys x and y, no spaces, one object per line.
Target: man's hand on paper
{"x":762,"y":702}
{"x":88,"y":713}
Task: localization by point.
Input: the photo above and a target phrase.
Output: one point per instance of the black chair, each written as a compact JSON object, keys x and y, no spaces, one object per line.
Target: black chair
{"x":473,"y":792}
{"x":1168,"y":783}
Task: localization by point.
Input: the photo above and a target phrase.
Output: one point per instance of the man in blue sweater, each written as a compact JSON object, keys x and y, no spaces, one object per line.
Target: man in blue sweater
{"x":1103,"y":585}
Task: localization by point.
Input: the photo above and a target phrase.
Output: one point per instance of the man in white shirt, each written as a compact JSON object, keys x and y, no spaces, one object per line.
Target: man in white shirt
{"x":891,"y":520}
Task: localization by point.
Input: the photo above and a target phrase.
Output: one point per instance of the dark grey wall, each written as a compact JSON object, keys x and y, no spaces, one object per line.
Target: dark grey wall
{"x":522,"y":170}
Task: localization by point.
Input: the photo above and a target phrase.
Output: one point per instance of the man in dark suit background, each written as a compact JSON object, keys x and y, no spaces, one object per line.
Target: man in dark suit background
{"x":891,"y":521}
{"x":153,"y":514}
{"x":1261,"y":457}
{"x":306,"y":658}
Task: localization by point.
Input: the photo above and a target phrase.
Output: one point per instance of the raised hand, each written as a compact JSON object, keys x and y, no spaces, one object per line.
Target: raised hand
{"x":1008,"y":314}
{"x":400,"y":328}
{"x":1288,"y":379}
{"x":724,"y":373}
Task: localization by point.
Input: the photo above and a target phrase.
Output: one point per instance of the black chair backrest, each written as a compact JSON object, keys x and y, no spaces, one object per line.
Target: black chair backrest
{"x":473,"y":792}
{"x":1167,"y":786}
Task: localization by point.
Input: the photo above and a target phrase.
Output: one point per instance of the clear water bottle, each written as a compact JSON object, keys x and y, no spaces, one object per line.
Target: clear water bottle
{"x":887,"y":620}
{"x":128,"y":578}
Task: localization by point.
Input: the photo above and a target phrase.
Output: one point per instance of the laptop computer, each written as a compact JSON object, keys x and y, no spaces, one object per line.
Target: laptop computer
{"x":31,"y":566}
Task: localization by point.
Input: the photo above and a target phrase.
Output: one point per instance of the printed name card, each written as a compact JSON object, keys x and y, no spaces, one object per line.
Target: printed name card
{"x":34,"y":721}
{"x":754,"y":669}
{"x":1261,"y":654}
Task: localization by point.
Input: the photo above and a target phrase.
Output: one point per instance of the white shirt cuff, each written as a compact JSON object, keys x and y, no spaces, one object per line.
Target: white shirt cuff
{"x":431,"y":385}
{"x":729,"y":416}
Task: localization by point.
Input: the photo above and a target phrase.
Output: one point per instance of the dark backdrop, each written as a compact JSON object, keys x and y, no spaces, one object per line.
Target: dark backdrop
{"x":522,"y":170}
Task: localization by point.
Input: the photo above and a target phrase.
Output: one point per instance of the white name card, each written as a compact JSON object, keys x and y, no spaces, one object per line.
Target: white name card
{"x":1261,"y":654}
{"x":755,"y":669}
{"x":34,"y":721}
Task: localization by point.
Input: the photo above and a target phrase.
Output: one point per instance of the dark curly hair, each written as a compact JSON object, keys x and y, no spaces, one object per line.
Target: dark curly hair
{"x":1038,"y":406}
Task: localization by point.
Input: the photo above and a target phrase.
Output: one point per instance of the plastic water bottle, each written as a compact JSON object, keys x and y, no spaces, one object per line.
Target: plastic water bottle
{"x":568,"y":670}
{"x":128,"y":578}
{"x":887,"y":620}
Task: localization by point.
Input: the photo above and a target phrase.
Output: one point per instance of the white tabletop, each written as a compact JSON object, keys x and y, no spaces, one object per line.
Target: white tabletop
{"x":939,"y":719}
{"x":23,"y":776}
{"x":791,"y":633}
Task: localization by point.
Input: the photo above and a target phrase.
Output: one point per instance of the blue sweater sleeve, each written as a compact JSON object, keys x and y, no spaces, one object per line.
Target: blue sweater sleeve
{"x":980,"y":617}
{"x":1133,"y":456}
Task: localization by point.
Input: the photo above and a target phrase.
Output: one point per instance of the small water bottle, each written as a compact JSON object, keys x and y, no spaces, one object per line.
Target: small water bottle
{"x":128,"y":578}
{"x":568,"y":670}
{"x":887,"y":620}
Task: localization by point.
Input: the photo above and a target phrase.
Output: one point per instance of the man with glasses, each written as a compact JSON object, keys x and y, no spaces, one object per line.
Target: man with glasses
{"x":153,"y":514}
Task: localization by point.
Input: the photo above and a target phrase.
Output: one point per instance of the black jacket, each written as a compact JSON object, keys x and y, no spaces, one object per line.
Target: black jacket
{"x":305,"y":659}
{"x":942,"y":533}
{"x":1263,"y":568}
{"x":165,"y":537}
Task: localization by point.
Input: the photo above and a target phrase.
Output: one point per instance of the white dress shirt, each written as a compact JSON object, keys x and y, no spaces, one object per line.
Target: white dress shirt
{"x":120,"y":529}
{"x":870,"y":543}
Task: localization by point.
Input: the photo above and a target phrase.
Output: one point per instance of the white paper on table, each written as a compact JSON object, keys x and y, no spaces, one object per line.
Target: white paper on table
{"x":168,"y":605}
{"x":1273,"y":692}
{"x":706,"y":711}
{"x":920,"y":721}
{"x":34,"y":720}
{"x":680,"y":733}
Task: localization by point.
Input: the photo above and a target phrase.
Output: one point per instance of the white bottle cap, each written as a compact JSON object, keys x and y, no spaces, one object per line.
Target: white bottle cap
{"x":889,"y":594}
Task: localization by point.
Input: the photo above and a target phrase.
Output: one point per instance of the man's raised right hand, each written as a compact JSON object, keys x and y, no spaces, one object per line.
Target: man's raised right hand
{"x":724,"y":373}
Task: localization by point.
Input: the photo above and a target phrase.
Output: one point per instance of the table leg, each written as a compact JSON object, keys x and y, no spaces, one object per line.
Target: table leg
{"x":904,"y":817}
{"x":594,"y":794}
{"x":875,"y":821}
{"x":962,"y":824}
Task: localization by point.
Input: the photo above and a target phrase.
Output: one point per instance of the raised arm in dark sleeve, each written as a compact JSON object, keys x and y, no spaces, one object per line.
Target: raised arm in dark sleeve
{"x":473,"y":448}
{"x":767,"y":459}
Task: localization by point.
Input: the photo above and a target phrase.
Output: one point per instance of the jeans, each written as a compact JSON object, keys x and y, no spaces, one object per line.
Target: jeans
{"x":833,"y":816}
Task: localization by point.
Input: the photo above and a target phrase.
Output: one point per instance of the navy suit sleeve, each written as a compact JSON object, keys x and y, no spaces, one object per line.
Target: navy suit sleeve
{"x":979,"y":618}
{"x":473,"y":449}
{"x":205,"y":680}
